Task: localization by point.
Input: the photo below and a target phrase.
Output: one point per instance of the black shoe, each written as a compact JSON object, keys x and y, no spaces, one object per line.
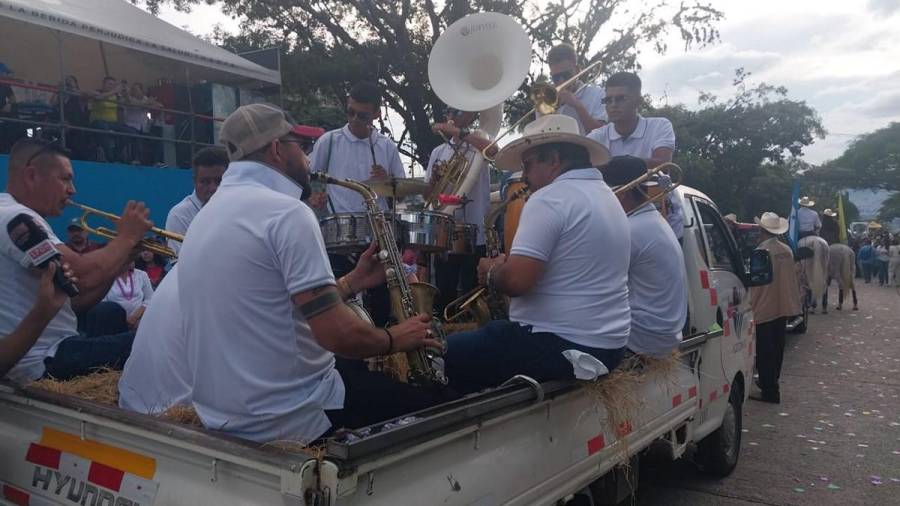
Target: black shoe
{"x":855,"y":308}
{"x":838,"y":308}
{"x":773,"y":399}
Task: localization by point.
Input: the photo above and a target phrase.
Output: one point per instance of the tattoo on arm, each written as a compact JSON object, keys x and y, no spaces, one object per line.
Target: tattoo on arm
{"x":320,"y":304}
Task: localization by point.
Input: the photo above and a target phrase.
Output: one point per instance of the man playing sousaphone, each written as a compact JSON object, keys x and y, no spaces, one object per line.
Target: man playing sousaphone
{"x":566,"y":274}
{"x":455,"y":270}
{"x":657,"y":285}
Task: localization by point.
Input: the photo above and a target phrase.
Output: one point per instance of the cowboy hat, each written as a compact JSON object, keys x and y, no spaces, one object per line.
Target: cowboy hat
{"x":829,"y":212}
{"x":730,"y":217}
{"x":544,"y":130}
{"x":806,"y":202}
{"x":772,"y":223}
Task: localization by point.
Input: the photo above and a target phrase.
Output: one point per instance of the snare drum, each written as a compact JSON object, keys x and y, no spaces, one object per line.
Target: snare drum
{"x":346,"y":233}
{"x":513,"y":210}
{"x":426,"y":231}
{"x":465,"y":238}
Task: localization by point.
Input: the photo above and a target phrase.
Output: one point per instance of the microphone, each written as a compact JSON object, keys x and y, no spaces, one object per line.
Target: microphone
{"x":32,"y":239}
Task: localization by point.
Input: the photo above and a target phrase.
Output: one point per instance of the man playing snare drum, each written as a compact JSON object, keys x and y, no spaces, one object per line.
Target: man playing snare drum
{"x":567,"y":272}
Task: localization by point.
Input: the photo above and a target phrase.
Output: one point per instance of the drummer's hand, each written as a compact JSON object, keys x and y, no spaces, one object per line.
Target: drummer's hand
{"x":369,"y":272}
{"x":317,"y":200}
{"x":414,"y":333}
{"x":485,"y":264}
{"x":378,"y":172}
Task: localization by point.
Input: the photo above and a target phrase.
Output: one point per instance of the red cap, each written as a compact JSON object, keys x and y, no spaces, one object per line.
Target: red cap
{"x":309,"y":131}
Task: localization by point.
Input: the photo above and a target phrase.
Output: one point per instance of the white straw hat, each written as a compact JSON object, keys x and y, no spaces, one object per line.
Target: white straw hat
{"x":806,"y":202}
{"x":773,"y":223}
{"x":544,"y":130}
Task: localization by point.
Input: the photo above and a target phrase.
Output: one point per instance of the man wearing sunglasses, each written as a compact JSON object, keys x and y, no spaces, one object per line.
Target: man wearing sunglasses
{"x":356,"y":151}
{"x":459,"y":270}
{"x":208,"y":166}
{"x":39,"y":185}
{"x":580,"y":100}
{"x":629,"y":133}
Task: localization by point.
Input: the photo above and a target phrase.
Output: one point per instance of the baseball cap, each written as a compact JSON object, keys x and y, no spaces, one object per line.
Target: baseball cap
{"x":74,"y":223}
{"x":310,"y":132}
{"x":251,"y":127}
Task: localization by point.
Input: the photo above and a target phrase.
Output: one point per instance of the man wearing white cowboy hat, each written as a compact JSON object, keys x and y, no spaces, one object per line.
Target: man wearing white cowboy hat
{"x":808,"y":221}
{"x":830,"y":230}
{"x":772,"y":305}
{"x":566,"y":273}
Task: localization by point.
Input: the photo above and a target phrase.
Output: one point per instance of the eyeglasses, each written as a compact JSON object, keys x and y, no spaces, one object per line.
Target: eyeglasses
{"x":562,"y":76}
{"x":360,"y":115}
{"x":614,"y":99}
{"x":51,"y":146}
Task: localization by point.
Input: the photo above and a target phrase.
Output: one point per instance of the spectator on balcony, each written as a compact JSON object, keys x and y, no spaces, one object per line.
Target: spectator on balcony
{"x":75,"y":113}
{"x":9,"y":131}
{"x":137,"y":118}
{"x":105,"y":116}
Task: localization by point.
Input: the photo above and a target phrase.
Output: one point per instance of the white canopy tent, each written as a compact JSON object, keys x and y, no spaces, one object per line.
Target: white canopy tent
{"x":40,"y":40}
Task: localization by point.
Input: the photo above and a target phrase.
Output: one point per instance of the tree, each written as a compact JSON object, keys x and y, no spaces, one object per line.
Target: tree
{"x":744,"y":151}
{"x":342,"y":41}
{"x":871,"y":161}
{"x":890,"y":208}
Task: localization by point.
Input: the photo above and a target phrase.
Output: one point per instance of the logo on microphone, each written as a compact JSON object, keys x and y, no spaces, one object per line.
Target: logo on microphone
{"x":42,"y":252}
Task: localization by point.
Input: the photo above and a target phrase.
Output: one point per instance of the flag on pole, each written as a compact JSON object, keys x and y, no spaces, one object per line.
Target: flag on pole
{"x":793,"y":232}
{"x":841,"y":223}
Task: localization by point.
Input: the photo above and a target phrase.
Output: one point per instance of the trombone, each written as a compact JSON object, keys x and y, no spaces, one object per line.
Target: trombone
{"x":108,"y":233}
{"x":545,"y":97}
{"x":668,"y":177}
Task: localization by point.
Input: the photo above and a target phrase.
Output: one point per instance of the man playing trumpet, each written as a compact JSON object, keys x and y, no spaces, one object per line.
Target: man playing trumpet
{"x":582,"y":101}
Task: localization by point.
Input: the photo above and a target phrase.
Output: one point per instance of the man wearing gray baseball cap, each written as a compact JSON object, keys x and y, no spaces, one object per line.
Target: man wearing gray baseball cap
{"x":262,"y":313}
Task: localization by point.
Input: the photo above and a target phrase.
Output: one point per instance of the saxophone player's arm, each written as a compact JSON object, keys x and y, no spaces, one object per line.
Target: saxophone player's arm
{"x":514,"y":276}
{"x":337,"y":328}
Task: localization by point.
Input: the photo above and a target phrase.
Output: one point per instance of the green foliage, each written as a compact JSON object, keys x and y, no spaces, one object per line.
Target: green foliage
{"x":329,"y":44}
{"x":890,"y":209}
{"x":871,"y":161}
{"x":744,"y":152}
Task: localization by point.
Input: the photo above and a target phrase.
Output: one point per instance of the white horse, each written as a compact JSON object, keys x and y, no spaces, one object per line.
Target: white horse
{"x":841,"y":267}
{"x":815,"y":268}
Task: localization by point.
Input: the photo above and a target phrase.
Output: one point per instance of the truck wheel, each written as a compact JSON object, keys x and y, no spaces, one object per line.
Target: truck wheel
{"x":717,"y":453}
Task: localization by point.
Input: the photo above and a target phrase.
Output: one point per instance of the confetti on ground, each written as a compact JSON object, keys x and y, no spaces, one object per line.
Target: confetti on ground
{"x":782,"y":414}
{"x":799,"y":490}
{"x":767,"y":425}
{"x":832,"y":486}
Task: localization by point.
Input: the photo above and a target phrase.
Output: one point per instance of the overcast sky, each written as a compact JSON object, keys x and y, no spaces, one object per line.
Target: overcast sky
{"x":842,"y":57}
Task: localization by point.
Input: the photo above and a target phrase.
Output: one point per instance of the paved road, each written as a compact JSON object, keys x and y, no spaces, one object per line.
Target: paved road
{"x":835,"y":438}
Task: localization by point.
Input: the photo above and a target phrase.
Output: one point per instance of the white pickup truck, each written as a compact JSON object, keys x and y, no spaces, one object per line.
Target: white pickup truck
{"x":522,"y":443}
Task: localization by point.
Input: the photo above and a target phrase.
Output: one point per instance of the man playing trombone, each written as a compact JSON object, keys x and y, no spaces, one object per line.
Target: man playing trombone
{"x":657,"y":286}
{"x":583,"y":101}
{"x":456,"y":269}
{"x":40,"y":185}
{"x":566,"y":273}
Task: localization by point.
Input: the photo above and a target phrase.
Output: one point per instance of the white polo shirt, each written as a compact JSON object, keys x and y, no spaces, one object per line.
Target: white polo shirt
{"x":343,"y":155}
{"x":256,"y":370}
{"x":156,"y":375}
{"x":591,"y":98}
{"x":808,"y":220}
{"x":474,"y":212}
{"x":18,"y":291}
{"x":657,"y":288}
{"x":650,"y":134}
{"x":180,"y":217}
{"x":132,"y":293}
{"x":577,"y":227}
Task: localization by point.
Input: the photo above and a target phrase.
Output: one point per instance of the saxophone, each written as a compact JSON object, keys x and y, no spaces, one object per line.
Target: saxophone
{"x":482,"y":304}
{"x":407,"y":299}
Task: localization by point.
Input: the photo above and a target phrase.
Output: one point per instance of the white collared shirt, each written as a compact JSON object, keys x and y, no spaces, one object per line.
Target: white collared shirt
{"x":132,"y":293}
{"x":480,"y":195}
{"x":180,"y":217}
{"x":18,"y":291}
{"x":156,"y":375}
{"x":657,"y":288}
{"x":576,"y":226}
{"x":808,"y":220}
{"x":650,"y":134}
{"x":591,"y":97}
{"x":341,"y":154}
{"x":257,"y":371}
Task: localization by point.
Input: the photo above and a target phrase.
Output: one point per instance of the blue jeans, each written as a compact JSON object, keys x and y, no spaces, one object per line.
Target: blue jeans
{"x":106,"y":344}
{"x":488,"y":356}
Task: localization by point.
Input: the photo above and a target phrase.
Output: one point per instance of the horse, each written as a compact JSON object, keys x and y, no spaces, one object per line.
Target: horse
{"x":815,"y":268}
{"x":841,"y":267}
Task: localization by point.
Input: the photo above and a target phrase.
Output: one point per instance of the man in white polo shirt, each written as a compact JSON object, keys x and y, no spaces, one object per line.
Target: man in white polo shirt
{"x":262,"y":313}
{"x":581,"y":101}
{"x":629,"y":133}
{"x":356,"y":151}
{"x":208,"y":166}
{"x":657,"y":286}
{"x":567,"y":271}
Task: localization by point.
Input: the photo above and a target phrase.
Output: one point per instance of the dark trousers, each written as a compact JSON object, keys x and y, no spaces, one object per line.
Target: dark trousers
{"x":104,"y":319}
{"x":881,"y":269}
{"x":455,"y":275}
{"x":770,"y":355}
{"x":867,"y":268}
{"x":371,"y":397}
{"x":840,"y":297}
{"x":377,"y":300}
{"x":488,"y":356}
{"x":78,"y":355}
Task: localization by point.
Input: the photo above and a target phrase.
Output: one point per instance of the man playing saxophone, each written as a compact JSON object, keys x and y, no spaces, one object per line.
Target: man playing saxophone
{"x":566,"y":273}
{"x":262,"y":313}
{"x":451,"y":271}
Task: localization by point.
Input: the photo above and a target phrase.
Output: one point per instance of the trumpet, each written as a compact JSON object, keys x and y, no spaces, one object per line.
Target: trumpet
{"x":546,"y":99}
{"x":109,"y":233}
{"x":668,"y":177}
